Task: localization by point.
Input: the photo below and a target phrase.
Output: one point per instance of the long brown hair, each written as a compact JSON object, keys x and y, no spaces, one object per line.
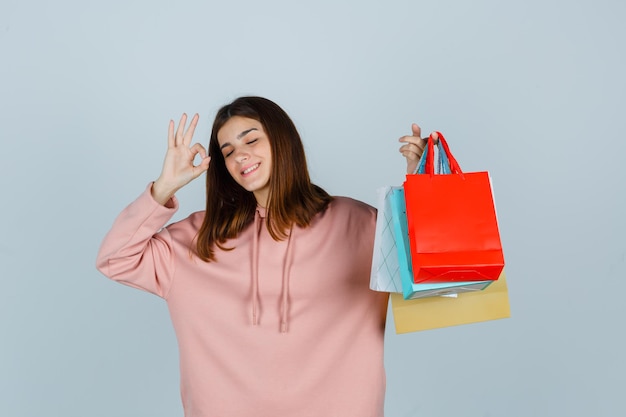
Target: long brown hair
{"x":292,"y":198}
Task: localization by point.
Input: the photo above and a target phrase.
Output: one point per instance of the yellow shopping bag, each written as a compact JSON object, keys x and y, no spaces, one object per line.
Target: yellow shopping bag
{"x":492,"y":303}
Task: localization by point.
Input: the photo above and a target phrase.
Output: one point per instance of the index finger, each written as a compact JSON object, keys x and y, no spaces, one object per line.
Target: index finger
{"x":415,"y":140}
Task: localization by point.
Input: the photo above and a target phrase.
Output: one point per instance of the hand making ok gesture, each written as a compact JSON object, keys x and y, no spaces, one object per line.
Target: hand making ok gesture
{"x":178,"y":167}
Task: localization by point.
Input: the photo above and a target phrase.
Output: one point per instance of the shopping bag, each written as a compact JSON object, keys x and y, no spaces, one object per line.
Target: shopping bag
{"x":453,"y":229}
{"x":410,"y":290}
{"x":492,"y":303}
{"x":391,"y":261}
{"x":385,"y":274}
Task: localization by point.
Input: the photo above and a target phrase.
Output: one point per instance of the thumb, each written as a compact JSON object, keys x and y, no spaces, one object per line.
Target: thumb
{"x":202,"y":167}
{"x":417,"y":131}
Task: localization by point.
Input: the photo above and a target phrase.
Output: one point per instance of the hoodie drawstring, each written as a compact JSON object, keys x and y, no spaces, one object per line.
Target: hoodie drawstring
{"x":255,"y":268}
{"x":284,"y":316}
{"x":287,"y":261}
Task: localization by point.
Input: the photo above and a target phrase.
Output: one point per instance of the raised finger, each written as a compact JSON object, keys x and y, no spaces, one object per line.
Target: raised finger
{"x":170,"y":134}
{"x":181,"y":129}
{"x":192,"y":128}
{"x":417,"y":131}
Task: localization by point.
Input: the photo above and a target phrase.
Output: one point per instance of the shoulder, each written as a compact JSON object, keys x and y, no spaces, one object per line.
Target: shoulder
{"x":349,"y":212}
{"x":346,"y":220}
{"x":187,"y":228}
{"x":350,"y":205}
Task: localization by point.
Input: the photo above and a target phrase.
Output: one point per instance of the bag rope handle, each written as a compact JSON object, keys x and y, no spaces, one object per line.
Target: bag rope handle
{"x":426,"y":164}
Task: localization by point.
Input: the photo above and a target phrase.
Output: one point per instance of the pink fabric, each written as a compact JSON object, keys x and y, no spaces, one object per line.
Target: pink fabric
{"x":329,"y":360}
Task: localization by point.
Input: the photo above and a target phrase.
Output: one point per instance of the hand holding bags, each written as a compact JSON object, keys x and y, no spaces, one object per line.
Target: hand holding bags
{"x":391,"y":265}
{"x":469,"y":246}
{"x":431,"y":311}
{"x":452,"y":223}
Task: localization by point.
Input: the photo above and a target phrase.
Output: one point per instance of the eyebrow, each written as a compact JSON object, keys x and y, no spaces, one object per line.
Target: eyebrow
{"x":239,"y":136}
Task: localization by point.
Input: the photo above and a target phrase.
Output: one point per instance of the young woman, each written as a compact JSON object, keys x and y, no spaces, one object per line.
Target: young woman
{"x":268,"y":288}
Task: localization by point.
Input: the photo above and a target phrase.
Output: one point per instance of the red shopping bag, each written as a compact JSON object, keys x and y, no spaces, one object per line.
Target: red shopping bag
{"x":453,"y":229}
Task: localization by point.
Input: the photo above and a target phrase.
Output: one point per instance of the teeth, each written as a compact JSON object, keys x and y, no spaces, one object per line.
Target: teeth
{"x":252,"y":168}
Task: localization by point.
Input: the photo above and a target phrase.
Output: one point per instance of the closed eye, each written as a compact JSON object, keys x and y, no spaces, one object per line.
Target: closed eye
{"x":227,"y":154}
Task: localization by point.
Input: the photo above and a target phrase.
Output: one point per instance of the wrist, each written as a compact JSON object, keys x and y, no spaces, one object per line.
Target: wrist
{"x":161,"y":192}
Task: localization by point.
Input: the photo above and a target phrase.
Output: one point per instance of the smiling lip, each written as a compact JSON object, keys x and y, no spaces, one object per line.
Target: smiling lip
{"x":250,"y":169}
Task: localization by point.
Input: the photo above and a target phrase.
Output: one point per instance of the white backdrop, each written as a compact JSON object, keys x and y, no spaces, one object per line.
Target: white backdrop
{"x":532,"y":91}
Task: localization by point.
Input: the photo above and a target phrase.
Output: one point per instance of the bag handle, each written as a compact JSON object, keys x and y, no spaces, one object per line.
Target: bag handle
{"x":441,"y":167}
{"x":455,"y":168}
{"x":446,"y":161}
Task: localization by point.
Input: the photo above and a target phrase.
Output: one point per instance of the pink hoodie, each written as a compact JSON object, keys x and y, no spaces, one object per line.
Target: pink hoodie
{"x":271,"y":329}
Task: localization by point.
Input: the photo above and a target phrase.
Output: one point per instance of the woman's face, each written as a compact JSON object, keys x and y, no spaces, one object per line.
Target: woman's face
{"x":247,"y":154}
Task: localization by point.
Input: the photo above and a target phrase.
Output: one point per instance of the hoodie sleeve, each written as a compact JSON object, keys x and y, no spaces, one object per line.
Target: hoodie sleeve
{"x":137,"y":251}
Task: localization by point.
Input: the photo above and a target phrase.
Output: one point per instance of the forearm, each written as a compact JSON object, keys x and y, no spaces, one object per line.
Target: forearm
{"x":133,"y":252}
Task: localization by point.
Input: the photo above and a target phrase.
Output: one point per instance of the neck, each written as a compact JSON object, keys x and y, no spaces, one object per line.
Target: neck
{"x":261,"y":198}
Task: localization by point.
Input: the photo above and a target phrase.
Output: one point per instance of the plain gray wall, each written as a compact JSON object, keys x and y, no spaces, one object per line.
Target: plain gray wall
{"x":532,"y":91}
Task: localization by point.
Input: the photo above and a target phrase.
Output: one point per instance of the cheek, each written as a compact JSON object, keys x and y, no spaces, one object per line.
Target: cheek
{"x":232,"y":169}
{"x":229,"y":167}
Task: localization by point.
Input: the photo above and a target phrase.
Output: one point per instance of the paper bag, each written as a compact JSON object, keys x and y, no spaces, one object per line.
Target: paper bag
{"x":492,"y":303}
{"x":385,"y":274}
{"x":453,"y":229}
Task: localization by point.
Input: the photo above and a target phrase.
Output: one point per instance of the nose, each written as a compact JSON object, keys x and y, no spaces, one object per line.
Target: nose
{"x":241,"y":156}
